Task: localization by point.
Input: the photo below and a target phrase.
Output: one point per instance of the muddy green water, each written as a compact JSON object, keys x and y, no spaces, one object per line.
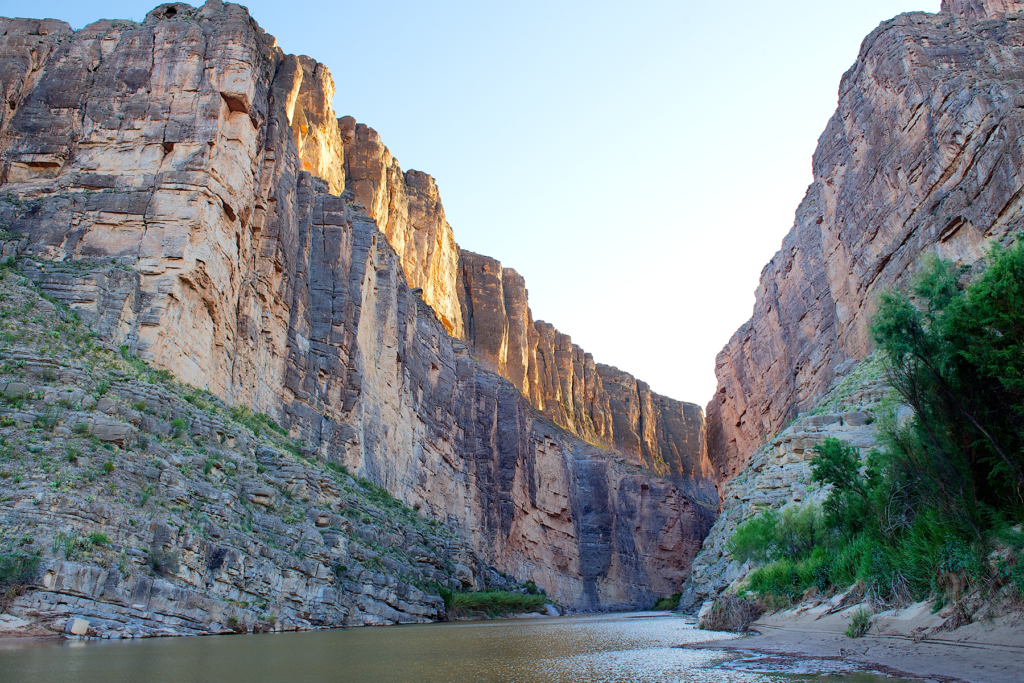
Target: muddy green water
{"x":638,"y":647}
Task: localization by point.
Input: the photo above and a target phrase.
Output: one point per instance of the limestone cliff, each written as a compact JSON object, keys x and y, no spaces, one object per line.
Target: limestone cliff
{"x":922,"y":155}
{"x":486,"y":304}
{"x":779,"y":473}
{"x":178,"y":184}
{"x":407,"y":207}
{"x":598,"y":403}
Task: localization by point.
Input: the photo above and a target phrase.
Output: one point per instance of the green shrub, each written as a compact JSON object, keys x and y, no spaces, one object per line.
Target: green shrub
{"x":918,"y":516}
{"x":956,"y":356}
{"x":780,"y":578}
{"x":163,"y":562}
{"x":860,"y":622}
{"x":793,"y":534}
{"x":49,"y":418}
{"x":258,"y":422}
{"x":849,"y":505}
{"x":755,"y":539}
{"x":18,"y":567}
{"x":70,"y":544}
{"x":98,"y":538}
{"x":668,"y":603}
{"x":494,"y":603}
{"x":374,"y":564}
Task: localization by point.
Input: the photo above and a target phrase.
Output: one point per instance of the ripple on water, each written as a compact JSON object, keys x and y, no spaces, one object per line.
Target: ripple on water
{"x":640,"y":648}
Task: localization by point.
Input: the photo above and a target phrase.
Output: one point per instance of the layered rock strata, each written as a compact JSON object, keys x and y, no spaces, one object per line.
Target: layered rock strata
{"x":156,"y":511}
{"x":479,"y":300}
{"x":599,"y":403}
{"x":923,"y":155}
{"x":407,"y":207}
{"x":177,"y":181}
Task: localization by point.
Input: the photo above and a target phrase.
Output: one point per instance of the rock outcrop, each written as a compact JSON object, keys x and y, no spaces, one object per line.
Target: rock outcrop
{"x":479,"y":300}
{"x":982,"y":9}
{"x":922,"y":156}
{"x":154,"y":510}
{"x":178,"y":184}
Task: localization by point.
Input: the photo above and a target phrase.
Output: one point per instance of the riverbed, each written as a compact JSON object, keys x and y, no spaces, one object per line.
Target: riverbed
{"x":640,"y":647}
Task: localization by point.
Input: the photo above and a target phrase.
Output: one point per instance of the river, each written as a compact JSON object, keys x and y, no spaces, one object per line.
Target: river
{"x":637,"y":647}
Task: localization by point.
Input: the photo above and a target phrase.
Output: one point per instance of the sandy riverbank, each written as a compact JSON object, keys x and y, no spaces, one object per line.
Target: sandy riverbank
{"x":911,"y":642}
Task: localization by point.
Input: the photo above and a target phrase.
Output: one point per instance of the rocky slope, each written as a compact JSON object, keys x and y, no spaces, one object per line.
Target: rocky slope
{"x":153,"y":509}
{"x":779,"y":473}
{"x":923,"y":155}
{"x":185,"y":187}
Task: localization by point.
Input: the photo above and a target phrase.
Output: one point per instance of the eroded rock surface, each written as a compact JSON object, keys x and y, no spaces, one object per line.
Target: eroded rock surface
{"x":178,"y":185}
{"x":153,"y":509}
{"x":982,"y":9}
{"x":922,"y":156}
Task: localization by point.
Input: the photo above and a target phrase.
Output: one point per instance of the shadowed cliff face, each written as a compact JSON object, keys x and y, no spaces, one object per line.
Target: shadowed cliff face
{"x":923,"y":155}
{"x":178,"y":182}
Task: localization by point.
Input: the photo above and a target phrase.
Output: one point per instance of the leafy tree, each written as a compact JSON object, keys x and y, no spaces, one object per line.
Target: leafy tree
{"x":916,"y":516}
{"x":956,"y":356}
{"x":849,"y":506}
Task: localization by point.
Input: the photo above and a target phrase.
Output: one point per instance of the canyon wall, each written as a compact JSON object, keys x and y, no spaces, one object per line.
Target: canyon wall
{"x":185,"y":186}
{"x":479,"y":300}
{"x":599,"y":403}
{"x":923,"y":155}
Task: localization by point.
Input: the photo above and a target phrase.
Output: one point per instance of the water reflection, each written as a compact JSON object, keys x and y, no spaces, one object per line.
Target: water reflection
{"x":637,"y":648}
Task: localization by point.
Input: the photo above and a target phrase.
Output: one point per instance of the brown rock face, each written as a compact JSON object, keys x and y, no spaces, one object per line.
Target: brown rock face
{"x":177,"y":183}
{"x":982,"y":9}
{"x":922,"y":155}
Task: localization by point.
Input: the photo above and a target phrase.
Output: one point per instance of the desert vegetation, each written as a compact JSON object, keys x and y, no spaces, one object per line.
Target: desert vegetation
{"x":936,"y":510}
{"x":492,"y":603}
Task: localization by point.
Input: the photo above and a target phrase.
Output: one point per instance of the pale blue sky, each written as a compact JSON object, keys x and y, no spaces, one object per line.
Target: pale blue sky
{"x":638,"y":163}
